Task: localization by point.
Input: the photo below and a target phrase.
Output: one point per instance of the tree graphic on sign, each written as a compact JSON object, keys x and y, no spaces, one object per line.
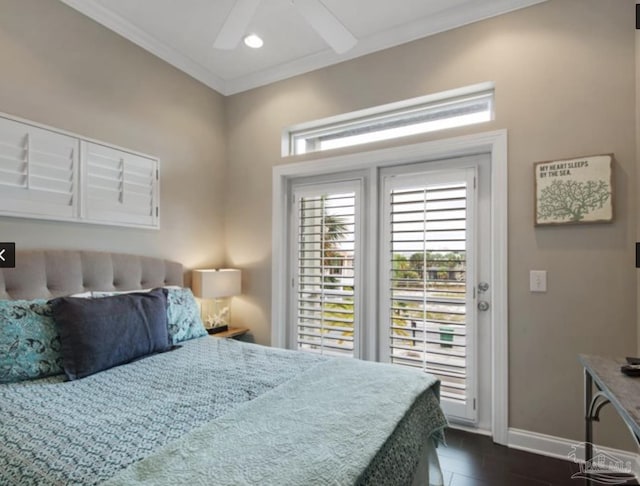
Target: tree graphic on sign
{"x":572,"y":200}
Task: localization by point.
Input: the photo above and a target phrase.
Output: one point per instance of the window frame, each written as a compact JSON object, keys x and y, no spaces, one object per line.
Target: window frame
{"x":370,"y":117}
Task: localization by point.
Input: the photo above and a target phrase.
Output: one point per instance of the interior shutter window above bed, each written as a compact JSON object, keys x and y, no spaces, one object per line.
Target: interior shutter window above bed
{"x":38,"y":171}
{"x":121,"y":187}
{"x":46,"y":173}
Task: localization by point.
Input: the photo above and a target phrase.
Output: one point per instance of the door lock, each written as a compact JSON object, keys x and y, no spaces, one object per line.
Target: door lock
{"x":483,"y":305}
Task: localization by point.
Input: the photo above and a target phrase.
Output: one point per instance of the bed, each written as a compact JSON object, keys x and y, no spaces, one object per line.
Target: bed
{"x":206,"y":410}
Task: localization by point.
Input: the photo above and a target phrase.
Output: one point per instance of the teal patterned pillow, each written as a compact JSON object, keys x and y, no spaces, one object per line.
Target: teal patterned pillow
{"x":29,"y":341}
{"x":183,"y":316}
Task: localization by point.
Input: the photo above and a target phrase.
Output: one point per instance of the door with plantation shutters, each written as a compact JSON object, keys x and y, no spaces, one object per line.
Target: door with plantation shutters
{"x":410,"y":292}
{"x":325,"y":303}
{"x":428,"y":267}
{"x":121,"y":187}
{"x":38,"y":172}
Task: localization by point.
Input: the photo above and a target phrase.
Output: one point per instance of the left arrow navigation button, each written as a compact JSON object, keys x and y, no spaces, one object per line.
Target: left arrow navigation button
{"x":7,"y":255}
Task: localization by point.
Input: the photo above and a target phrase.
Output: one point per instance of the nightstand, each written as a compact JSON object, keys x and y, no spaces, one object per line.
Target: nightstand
{"x":232,"y":332}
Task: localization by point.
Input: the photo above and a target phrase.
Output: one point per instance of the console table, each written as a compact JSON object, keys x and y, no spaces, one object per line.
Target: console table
{"x":621,"y":391}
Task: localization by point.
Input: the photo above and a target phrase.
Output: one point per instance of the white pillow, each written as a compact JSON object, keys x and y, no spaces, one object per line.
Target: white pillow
{"x":82,"y":295}
{"x":109,"y":293}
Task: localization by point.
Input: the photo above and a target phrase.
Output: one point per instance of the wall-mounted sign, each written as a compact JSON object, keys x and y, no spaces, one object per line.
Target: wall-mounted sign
{"x":574,"y":191}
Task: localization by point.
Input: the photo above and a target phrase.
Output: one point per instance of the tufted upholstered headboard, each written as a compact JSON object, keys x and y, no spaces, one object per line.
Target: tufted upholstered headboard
{"x":45,"y":274}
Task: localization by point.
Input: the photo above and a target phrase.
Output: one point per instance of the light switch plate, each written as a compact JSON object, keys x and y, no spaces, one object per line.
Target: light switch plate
{"x":538,"y":280}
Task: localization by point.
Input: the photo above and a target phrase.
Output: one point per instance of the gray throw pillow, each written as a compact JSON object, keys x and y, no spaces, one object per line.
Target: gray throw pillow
{"x":98,"y":334}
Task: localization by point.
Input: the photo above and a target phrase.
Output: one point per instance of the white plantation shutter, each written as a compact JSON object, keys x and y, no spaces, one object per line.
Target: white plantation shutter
{"x":38,"y":171}
{"x":49,"y":174}
{"x":430,"y":262}
{"x":121,"y":187}
{"x":326,"y":287}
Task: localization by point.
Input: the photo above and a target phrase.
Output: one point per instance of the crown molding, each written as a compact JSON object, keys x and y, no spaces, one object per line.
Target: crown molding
{"x":126,"y":29}
{"x":425,"y":27}
{"x":446,"y":20}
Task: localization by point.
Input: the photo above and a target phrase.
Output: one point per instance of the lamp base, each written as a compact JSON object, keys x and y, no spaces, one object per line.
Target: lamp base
{"x":218,"y":329}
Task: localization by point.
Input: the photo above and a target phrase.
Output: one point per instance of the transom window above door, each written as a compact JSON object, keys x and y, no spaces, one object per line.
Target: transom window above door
{"x":439,"y":111}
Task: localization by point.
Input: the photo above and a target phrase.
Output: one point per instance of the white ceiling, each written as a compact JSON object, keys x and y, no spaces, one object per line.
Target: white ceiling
{"x":182,"y":32}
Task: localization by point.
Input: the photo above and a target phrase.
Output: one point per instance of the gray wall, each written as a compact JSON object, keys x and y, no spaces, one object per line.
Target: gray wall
{"x":565,"y":86}
{"x":62,"y":69}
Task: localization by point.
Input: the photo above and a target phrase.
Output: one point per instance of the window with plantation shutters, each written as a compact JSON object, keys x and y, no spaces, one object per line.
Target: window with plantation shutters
{"x":326,"y":300}
{"x":38,"y":172}
{"x":120,"y":186}
{"x":49,"y":174}
{"x":430,"y":265}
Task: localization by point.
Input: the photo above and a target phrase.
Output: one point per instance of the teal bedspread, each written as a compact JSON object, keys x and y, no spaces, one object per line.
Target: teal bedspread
{"x":323,"y":427}
{"x":220,"y":412}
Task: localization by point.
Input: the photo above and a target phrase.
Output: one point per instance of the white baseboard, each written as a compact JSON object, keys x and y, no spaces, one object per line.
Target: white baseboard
{"x":548,"y":445}
{"x":466,"y":428}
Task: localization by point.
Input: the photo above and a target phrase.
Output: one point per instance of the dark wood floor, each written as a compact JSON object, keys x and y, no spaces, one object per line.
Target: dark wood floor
{"x":472,"y":459}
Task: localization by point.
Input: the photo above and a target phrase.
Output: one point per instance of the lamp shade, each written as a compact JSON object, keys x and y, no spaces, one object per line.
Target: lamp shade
{"x":216,"y":284}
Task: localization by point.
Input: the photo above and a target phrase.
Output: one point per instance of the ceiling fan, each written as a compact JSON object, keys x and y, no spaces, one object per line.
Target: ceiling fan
{"x":314,"y":12}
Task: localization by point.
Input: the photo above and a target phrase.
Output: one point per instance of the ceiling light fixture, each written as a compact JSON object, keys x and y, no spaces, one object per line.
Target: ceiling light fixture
{"x":253,"y":41}
{"x":317,"y":15}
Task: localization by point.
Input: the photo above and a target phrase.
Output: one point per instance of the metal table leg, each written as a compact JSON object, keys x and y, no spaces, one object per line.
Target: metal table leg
{"x":593,"y":404}
{"x":588,"y":422}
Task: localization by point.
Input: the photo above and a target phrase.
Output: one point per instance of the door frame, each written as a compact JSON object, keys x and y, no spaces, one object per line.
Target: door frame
{"x":493,"y":143}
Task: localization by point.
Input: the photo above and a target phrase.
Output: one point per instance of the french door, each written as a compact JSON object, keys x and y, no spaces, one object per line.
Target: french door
{"x":410,"y":297}
{"x":429,"y":270}
{"x":325,"y":285}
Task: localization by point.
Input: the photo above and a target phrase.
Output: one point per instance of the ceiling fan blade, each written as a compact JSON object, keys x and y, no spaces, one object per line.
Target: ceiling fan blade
{"x":326,"y":24}
{"x":235,"y":25}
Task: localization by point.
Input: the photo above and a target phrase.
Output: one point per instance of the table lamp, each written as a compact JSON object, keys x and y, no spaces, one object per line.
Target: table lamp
{"x":215,"y":288}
